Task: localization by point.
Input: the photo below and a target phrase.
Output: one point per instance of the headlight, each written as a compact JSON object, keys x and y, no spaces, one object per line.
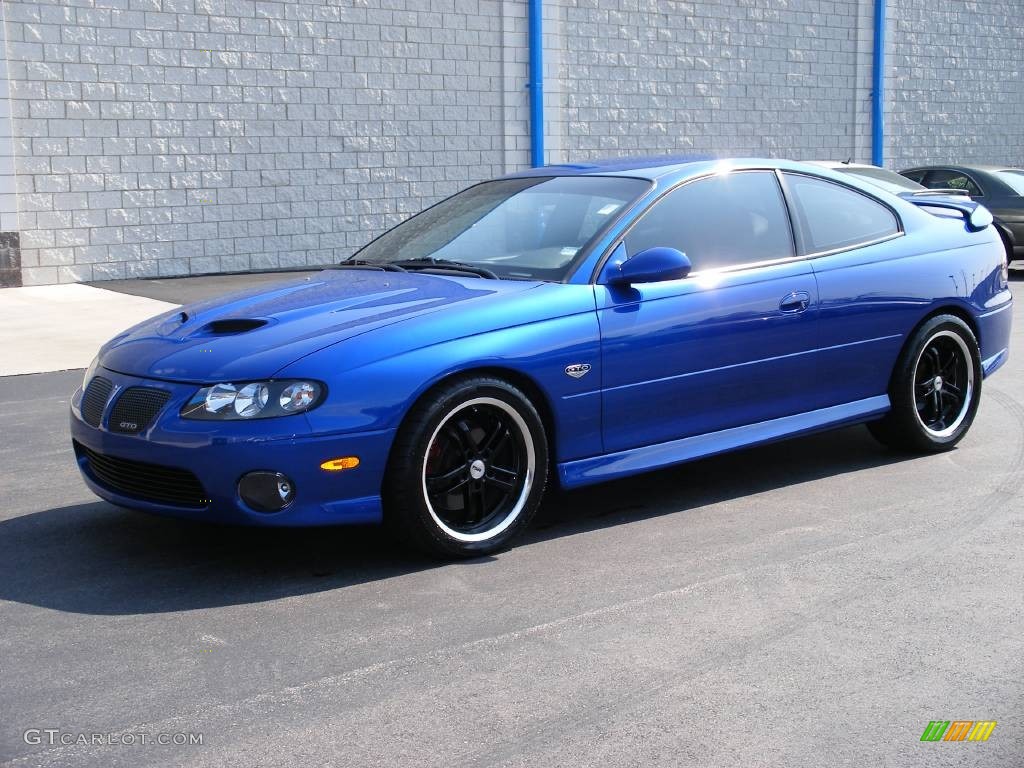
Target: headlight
{"x":253,"y":400}
{"x":90,"y":371}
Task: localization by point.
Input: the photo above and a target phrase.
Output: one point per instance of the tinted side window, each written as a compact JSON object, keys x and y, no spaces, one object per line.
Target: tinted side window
{"x":952,"y":180}
{"x":721,"y":221}
{"x":832,"y":216}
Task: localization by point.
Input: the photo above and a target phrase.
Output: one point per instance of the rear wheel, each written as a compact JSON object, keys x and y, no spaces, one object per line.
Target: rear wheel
{"x":468,"y":469}
{"x":935,"y":388}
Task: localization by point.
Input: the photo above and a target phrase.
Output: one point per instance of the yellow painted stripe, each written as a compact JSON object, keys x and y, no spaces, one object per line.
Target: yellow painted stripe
{"x":982,"y":730}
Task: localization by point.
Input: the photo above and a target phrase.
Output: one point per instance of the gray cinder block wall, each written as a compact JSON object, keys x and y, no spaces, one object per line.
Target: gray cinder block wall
{"x":750,"y":79}
{"x":170,"y":137}
{"x":956,"y":82}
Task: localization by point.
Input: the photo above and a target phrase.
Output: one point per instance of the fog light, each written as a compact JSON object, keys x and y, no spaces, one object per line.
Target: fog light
{"x":266,"y":491}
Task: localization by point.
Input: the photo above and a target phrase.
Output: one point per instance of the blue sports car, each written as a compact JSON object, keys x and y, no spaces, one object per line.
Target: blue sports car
{"x":565,"y":325}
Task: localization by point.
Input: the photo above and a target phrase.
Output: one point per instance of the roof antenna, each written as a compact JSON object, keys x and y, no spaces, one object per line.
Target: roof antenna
{"x":848,"y":160}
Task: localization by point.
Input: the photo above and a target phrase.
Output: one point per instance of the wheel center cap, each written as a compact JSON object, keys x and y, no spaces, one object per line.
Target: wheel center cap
{"x":477,"y":469}
{"x":937,"y":384}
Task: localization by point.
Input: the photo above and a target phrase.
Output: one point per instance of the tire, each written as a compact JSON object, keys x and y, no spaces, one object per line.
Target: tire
{"x":1007,"y":247}
{"x":467,"y":470}
{"x":935,"y":388}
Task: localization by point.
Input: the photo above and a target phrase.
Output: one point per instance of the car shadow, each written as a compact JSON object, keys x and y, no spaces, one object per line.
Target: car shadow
{"x":710,"y":481}
{"x":98,"y":559}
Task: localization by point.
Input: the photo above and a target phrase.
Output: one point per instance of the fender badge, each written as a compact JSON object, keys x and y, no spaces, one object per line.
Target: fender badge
{"x":577,"y":370}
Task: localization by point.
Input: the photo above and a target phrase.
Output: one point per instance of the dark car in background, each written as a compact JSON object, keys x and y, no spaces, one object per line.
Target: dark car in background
{"x":888,"y":180}
{"x":883,"y":178}
{"x":998,"y":188}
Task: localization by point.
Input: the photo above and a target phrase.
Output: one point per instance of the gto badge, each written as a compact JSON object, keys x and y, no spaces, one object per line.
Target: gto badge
{"x":577,"y":370}
{"x":129,"y":426}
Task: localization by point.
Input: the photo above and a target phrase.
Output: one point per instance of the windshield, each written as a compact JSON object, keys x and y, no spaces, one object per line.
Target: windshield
{"x":1014,"y":177}
{"x":530,"y":228}
{"x":887,"y":180}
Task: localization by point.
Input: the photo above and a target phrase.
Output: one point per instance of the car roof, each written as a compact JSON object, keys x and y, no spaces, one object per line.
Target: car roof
{"x":962,"y":166}
{"x":838,"y":165}
{"x":654,"y":167}
{"x":650,"y":167}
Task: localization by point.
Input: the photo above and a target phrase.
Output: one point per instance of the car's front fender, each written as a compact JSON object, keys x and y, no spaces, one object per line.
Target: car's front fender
{"x":378,"y":394}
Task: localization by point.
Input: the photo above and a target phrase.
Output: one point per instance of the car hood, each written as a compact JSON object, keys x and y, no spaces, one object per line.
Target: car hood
{"x":254,"y":334}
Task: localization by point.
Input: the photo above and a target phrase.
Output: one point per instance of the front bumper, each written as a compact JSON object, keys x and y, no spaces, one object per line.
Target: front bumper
{"x":220,"y":453}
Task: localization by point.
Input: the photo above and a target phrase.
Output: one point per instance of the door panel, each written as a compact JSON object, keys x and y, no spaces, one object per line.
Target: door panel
{"x":869,"y":297}
{"x":863,"y":303}
{"x":713,"y":351}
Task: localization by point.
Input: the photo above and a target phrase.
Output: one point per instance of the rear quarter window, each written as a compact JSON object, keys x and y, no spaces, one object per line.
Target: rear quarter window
{"x":832,"y":217}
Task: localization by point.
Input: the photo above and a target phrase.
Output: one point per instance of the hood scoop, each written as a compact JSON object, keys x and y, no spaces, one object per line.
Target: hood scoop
{"x":231,"y":326}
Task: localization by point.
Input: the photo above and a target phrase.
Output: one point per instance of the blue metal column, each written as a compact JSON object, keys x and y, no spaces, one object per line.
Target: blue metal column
{"x":536,"y":84}
{"x":878,"y":87}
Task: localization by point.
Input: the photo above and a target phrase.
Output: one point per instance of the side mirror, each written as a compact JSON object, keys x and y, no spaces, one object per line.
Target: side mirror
{"x":652,"y":265}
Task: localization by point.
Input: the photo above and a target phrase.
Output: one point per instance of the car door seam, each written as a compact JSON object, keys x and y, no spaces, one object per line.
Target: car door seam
{"x":752,"y":362}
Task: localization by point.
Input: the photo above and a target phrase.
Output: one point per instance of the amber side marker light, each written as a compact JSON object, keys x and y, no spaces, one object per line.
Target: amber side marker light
{"x":336,"y":465}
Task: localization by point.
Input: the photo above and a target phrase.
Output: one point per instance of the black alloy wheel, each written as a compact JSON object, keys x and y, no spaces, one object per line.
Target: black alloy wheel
{"x":477,"y":466}
{"x":935,"y":388}
{"x":943,"y":383}
{"x":468,"y":468}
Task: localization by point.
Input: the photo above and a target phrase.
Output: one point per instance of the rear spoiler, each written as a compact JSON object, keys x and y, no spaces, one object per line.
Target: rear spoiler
{"x":951,"y":191}
{"x":975,"y":214}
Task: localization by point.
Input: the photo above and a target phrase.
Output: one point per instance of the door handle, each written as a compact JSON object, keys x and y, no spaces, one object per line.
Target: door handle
{"x":794,"y":302}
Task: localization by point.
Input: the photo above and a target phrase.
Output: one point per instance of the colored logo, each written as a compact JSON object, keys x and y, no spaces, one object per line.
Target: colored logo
{"x":958,"y":730}
{"x":577,"y":370}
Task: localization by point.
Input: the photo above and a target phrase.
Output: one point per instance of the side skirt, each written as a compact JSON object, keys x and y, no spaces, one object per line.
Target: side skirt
{"x":599,"y":468}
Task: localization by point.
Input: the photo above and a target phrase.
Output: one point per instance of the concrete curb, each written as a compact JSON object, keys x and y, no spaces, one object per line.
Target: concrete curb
{"x":59,"y":327}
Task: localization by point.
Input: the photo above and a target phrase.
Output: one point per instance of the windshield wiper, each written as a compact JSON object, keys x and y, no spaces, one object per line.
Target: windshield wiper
{"x":382,"y":266}
{"x":429,"y":262}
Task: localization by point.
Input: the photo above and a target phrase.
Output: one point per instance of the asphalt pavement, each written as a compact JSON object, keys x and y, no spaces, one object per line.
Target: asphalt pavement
{"x":810,"y":603}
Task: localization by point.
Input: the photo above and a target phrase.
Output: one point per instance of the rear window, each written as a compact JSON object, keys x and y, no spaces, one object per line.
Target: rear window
{"x":947,"y":179}
{"x":886,"y":179}
{"x":1014,"y":178}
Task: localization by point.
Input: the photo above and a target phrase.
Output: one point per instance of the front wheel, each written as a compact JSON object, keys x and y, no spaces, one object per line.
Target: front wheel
{"x":468,"y":469}
{"x":935,"y":388}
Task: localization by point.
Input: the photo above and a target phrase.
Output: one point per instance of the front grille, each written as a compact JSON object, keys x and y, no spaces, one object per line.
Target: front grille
{"x":136,"y":408}
{"x":94,"y":400}
{"x":146,"y":482}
